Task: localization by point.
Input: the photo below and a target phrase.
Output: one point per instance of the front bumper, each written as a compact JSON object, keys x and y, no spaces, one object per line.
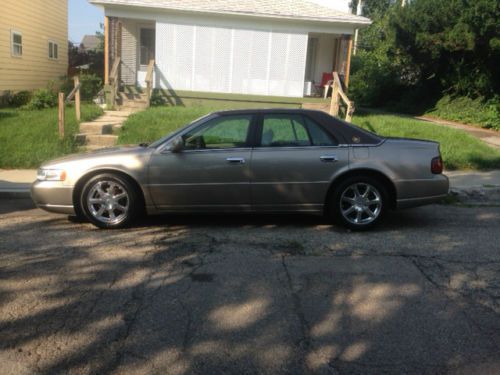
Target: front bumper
{"x":53,"y":196}
{"x":413,"y":193}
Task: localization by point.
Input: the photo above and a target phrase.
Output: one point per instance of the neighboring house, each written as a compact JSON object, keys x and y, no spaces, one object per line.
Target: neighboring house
{"x":262,"y":47}
{"x":89,"y":43}
{"x":33,"y":43}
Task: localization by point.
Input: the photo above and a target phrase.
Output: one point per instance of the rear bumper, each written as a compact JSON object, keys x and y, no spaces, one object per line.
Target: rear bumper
{"x":52,"y":196}
{"x":413,"y":193}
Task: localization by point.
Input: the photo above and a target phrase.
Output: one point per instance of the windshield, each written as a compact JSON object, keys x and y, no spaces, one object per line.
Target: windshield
{"x":173,"y":134}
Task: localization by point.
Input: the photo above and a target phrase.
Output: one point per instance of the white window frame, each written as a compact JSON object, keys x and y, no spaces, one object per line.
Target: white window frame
{"x":52,"y":43}
{"x":12,"y":44}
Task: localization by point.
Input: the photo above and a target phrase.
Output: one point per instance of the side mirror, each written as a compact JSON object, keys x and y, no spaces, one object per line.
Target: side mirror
{"x":177,"y":145}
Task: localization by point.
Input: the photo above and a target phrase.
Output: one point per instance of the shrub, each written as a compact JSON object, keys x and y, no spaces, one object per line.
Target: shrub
{"x":19,"y":99}
{"x":42,"y":98}
{"x":91,"y":84}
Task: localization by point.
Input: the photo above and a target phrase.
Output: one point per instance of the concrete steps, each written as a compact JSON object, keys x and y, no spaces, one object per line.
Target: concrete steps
{"x":325,"y":107}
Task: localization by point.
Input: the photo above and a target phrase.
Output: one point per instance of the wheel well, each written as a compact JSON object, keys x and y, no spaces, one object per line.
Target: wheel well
{"x":388,"y":184}
{"x":83,"y":180}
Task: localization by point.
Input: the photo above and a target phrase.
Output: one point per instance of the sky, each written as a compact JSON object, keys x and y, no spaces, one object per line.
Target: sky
{"x":83,"y":18}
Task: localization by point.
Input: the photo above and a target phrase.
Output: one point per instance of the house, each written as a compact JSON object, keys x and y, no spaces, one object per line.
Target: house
{"x":89,"y":43}
{"x":33,"y":43}
{"x":262,"y":47}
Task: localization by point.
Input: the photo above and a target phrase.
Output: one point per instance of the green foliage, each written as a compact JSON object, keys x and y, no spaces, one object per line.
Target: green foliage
{"x":29,"y":138}
{"x":19,"y":99}
{"x":416,"y":54}
{"x":42,"y":98}
{"x":485,"y":113}
{"x":91,"y":84}
{"x":459,"y":149}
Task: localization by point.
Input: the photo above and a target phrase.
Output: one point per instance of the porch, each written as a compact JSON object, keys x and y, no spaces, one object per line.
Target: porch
{"x":222,"y":60}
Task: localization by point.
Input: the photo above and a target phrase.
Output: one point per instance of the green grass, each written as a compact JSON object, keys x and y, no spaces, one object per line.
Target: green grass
{"x":28,"y":138}
{"x":475,"y":112}
{"x":459,"y":149}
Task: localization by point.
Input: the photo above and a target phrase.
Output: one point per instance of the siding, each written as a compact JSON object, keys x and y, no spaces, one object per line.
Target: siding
{"x":39,"y":21}
{"x":230,"y":59}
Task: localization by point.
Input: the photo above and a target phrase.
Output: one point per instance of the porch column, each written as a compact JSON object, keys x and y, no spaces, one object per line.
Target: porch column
{"x":348,"y":62}
{"x":106,"y":50}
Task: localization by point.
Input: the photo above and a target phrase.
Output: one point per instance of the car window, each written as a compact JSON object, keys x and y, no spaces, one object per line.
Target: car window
{"x":220,"y":132}
{"x":292,"y":130}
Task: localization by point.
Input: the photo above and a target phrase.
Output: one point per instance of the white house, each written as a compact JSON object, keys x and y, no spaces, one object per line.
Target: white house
{"x":262,"y":47}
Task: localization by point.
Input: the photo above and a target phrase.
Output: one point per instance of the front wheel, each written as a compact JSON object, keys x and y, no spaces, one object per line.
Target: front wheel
{"x":109,"y":201}
{"x":359,"y":202}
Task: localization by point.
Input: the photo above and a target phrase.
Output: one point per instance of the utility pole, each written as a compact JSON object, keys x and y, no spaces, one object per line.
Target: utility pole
{"x":359,"y":11}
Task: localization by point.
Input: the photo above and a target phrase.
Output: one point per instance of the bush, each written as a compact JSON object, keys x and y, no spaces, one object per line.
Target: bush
{"x":157,"y":98}
{"x":42,"y":98}
{"x":19,"y":99}
{"x":91,"y":84}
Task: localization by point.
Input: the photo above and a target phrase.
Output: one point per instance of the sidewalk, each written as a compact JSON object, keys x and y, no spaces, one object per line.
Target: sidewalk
{"x":17,"y":182}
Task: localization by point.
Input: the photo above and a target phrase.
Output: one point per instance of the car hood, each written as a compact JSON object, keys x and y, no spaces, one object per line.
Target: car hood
{"x":102,"y":154}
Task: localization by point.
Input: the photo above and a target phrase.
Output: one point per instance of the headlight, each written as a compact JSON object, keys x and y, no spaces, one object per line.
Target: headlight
{"x":51,"y":174}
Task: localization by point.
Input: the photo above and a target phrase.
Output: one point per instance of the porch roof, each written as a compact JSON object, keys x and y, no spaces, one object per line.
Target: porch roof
{"x":283,"y":9}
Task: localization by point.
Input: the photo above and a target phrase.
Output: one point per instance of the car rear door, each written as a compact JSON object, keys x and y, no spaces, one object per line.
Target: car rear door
{"x":293,"y":163}
{"x":211,"y":173}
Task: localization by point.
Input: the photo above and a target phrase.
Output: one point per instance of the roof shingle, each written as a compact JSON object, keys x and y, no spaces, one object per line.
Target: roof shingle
{"x":290,"y":9}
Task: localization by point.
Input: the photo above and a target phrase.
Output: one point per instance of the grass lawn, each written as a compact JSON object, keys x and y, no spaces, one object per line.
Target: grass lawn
{"x":460,"y":150}
{"x":28,"y":138}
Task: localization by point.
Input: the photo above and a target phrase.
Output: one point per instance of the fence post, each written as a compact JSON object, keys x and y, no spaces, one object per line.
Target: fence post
{"x":61,"y":115}
{"x":77,"y":98}
{"x":334,"y":105}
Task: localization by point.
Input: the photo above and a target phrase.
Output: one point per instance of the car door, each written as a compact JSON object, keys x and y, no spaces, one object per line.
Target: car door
{"x":293,"y":163}
{"x":211,"y":172}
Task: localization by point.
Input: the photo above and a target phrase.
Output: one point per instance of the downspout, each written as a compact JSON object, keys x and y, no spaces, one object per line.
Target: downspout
{"x":359,"y":11}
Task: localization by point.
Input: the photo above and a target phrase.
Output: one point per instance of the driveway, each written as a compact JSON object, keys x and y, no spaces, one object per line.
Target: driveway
{"x":250,"y":294}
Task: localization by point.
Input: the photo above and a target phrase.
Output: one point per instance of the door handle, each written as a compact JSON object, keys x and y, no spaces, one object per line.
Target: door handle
{"x":235,"y":160}
{"x":328,"y":158}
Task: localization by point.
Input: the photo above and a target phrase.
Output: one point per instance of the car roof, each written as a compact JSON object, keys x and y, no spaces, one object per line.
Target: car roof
{"x":265,"y":110}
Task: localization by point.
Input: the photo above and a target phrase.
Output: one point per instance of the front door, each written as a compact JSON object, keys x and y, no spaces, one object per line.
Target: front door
{"x":146,"y":52}
{"x":211,"y":173}
{"x":293,"y":166}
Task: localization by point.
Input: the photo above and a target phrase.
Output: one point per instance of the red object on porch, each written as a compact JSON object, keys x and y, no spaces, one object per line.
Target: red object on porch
{"x":326,"y":78}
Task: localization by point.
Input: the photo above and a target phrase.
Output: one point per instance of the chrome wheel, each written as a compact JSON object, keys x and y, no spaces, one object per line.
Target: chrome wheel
{"x":108,"y":202}
{"x":361,"y":203}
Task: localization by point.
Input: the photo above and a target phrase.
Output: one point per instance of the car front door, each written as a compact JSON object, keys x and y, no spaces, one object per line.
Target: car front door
{"x":293,"y":164}
{"x":211,"y":172}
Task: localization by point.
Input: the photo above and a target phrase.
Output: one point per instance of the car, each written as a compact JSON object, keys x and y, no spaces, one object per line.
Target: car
{"x":259,"y":160}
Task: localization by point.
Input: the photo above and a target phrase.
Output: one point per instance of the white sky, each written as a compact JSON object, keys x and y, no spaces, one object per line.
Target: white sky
{"x":342,"y":5}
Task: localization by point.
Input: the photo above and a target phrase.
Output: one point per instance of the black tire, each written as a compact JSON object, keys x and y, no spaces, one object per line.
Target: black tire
{"x":110,"y":199}
{"x":337,"y":206}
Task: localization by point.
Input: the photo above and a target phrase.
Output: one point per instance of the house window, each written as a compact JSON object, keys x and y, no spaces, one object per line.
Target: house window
{"x":53,"y":50}
{"x":16,"y":44}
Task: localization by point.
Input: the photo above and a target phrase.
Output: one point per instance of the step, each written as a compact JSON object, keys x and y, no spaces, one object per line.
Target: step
{"x":96,"y":139}
{"x":118,"y":113}
{"x":93,"y":128}
{"x":325,"y":107}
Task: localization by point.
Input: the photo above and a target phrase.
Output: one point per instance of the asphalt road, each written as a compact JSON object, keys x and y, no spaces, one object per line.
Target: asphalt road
{"x":250,"y":294}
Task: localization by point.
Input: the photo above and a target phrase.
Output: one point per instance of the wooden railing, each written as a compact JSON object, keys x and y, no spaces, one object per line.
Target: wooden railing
{"x":337,"y":94}
{"x":113,"y":80}
{"x":149,"y":81}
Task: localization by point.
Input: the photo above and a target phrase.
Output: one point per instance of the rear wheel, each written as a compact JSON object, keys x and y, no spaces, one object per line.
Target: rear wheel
{"x":359,"y":202}
{"x":109,"y":201}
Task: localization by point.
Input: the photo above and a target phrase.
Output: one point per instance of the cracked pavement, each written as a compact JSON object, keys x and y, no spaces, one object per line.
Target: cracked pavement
{"x":250,"y":294}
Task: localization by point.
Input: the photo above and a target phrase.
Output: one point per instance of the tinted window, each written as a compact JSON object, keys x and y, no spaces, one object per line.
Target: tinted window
{"x":221,"y":132}
{"x":292,"y":130}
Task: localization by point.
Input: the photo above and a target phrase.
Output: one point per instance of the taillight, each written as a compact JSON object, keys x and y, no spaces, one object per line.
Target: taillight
{"x":437,"y":165}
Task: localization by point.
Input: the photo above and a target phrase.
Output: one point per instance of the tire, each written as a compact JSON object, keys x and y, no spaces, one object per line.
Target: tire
{"x":359,"y":202}
{"x":109,"y":201}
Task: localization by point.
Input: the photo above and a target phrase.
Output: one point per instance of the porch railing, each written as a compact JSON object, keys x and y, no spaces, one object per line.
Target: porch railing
{"x":337,"y":94}
{"x":114,"y":81}
{"x":149,"y":81}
